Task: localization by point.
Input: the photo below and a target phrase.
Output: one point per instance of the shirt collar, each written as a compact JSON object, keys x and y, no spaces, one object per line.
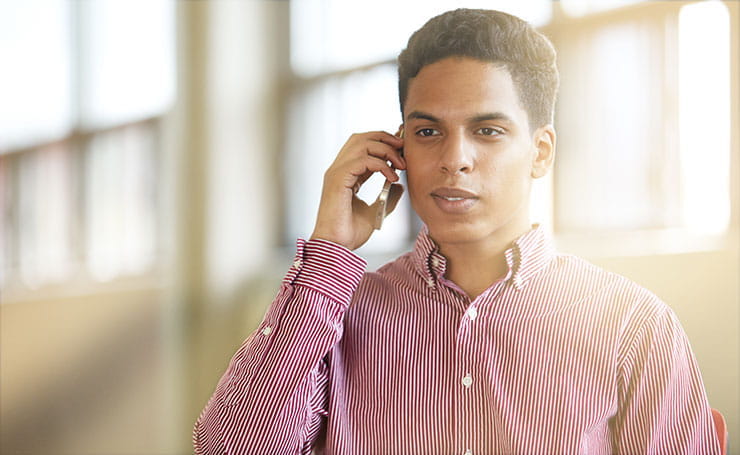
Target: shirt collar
{"x":527,"y":256}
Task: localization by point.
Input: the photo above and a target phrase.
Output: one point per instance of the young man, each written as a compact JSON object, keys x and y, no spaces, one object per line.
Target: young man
{"x":482,"y":340}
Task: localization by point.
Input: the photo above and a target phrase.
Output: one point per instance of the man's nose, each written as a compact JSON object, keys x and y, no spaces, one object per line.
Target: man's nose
{"x":457,"y":155}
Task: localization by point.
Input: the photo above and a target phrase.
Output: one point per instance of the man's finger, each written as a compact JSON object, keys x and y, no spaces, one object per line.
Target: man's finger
{"x":386,"y":138}
{"x":361,"y":180}
{"x":386,"y":153}
{"x":374,"y":164}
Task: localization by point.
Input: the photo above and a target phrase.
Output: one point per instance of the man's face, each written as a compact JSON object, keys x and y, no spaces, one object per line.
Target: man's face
{"x":469,"y":151}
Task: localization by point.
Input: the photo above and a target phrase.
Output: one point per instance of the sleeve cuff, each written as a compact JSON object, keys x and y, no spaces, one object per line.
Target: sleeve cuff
{"x":326,"y":267}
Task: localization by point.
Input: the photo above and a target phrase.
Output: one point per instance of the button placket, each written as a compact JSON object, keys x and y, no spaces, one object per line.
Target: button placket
{"x":467,"y":390}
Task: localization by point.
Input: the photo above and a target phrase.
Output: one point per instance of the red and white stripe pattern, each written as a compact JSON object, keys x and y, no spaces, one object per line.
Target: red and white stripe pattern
{"x":559,"y":357}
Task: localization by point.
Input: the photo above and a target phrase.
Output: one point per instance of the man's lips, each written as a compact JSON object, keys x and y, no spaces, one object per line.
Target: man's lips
{"x":453,"y":194}
{"x":454,"y":201}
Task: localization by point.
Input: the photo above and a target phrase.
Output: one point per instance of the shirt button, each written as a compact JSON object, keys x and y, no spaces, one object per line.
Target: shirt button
{"x":468,"y":452}
{"x":435,"y":262}
{"x":267,"y":330}
{"x":430,"y":282}
{"x":472,"y":313}
{"x":297,"y":263}
{"x":467,"y":380}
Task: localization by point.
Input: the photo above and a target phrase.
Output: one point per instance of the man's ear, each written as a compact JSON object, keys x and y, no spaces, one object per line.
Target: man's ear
{"x":544,"y":145}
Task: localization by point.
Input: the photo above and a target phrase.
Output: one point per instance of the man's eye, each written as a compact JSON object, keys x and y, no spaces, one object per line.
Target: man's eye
{"x":488,"y":131}
{"x":426,"y":132}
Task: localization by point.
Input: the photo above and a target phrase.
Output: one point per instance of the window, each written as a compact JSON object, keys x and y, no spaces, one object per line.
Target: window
{"x":584,"y":7}
{"x":40,"y":74}
{"x":335,"y":35}
{"x":610,"y":130}
{"x":78,"y":136}
{"x":704,"y":116}
{"x":45,"y":205}
{"x":644,"y":121}
{"x":121,"y":203}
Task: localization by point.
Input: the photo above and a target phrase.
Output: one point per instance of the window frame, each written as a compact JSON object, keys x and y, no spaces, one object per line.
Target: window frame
{"x":75,"y":143}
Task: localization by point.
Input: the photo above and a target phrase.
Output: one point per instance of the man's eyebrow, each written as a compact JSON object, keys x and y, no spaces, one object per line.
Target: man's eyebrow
{"x":491,"y":116}
{"x":422,"y":116}
{"x":475,"y":119}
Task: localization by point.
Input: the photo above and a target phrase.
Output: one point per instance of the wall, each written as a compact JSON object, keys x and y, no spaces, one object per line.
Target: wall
{"x":82,"y":373}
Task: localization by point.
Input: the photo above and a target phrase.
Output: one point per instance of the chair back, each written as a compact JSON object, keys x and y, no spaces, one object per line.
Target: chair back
{"x":721,"y":427}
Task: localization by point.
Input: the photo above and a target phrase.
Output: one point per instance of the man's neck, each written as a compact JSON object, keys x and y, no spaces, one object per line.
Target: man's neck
{"x":475,"y":266}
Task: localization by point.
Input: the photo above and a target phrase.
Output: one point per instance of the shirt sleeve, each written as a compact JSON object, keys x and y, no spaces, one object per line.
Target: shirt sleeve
{"x":272,"y":397}
{"x":663,"y":407}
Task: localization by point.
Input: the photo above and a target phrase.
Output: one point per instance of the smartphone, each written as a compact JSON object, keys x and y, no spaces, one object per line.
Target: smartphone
{"x":380,"y":214}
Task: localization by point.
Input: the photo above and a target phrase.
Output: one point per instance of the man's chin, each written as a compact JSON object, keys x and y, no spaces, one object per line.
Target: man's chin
{"x":450,"y":233}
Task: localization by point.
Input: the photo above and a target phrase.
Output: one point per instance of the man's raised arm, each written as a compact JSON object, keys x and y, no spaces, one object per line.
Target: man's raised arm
{"x":272,"y":397}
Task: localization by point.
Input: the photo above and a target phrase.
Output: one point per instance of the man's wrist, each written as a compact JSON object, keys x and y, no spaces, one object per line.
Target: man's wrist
{"x":327,"y":267}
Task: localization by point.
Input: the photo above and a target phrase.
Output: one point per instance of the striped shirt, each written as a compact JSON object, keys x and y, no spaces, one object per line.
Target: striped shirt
{"x":558,"y":357}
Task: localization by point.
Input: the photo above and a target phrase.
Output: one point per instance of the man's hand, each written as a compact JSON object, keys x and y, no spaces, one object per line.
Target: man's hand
{"x":344,"y":218}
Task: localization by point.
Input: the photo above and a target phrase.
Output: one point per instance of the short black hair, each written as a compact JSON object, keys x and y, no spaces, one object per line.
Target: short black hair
{"x":488,"y":36}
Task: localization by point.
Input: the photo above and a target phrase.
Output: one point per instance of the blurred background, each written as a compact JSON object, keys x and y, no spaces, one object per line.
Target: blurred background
{"x":158,"y":159}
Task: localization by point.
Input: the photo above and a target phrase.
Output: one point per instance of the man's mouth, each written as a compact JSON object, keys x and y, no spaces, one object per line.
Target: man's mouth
{"x":454,"y":200}
{"x":453,"y":194}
